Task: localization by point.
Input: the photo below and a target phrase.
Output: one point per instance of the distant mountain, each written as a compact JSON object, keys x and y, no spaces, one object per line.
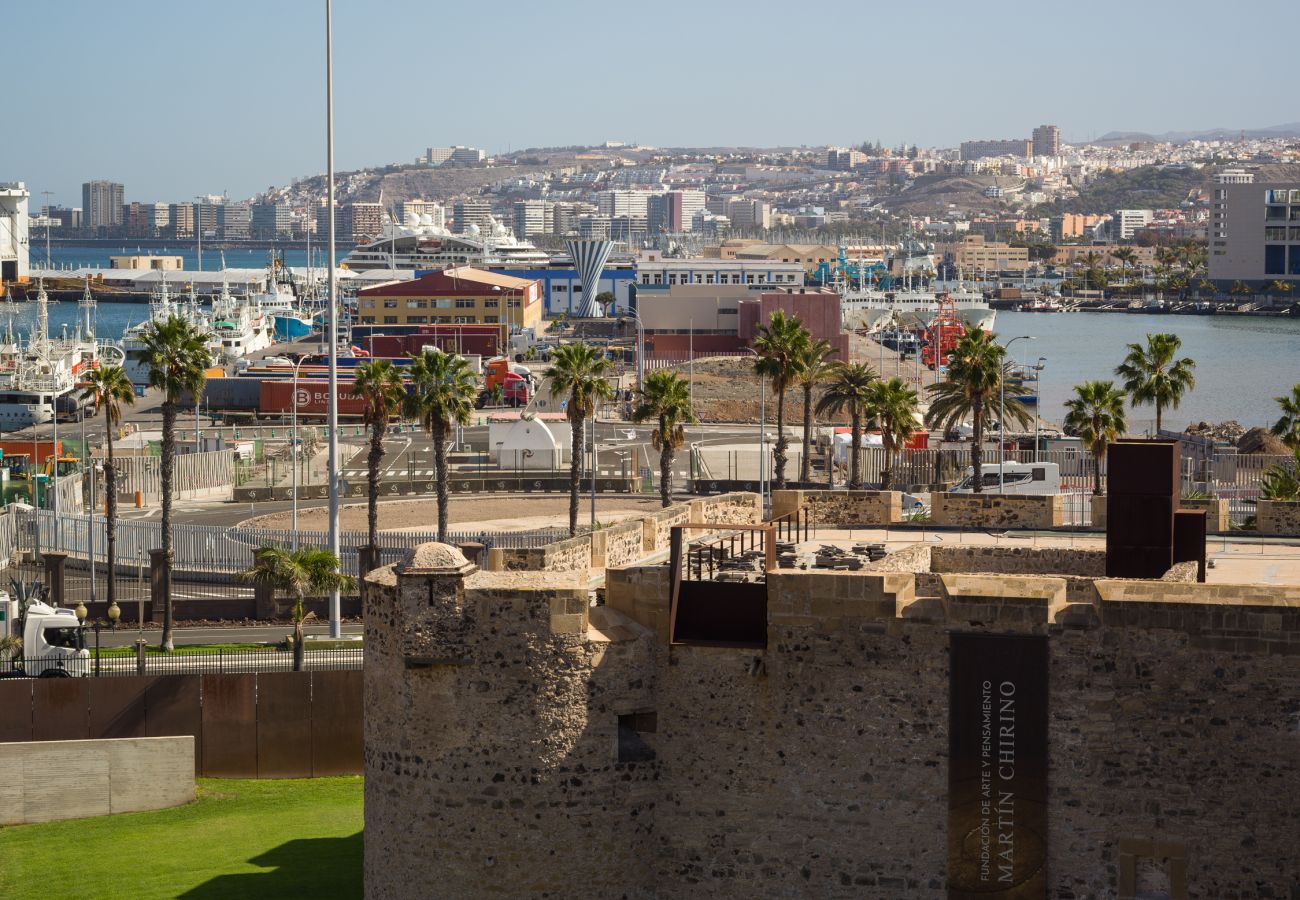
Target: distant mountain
{"x":1291,"y":129}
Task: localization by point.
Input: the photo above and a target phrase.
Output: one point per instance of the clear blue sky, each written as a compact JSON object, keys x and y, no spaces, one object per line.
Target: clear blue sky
{"x":179,"y":98}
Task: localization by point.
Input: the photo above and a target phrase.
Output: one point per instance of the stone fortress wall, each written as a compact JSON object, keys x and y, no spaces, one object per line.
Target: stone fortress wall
{"x":521,"y":743}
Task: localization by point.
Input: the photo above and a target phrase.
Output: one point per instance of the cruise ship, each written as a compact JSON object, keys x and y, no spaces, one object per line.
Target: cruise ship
{"x":419,"y":244}
{"x":898,"y":293}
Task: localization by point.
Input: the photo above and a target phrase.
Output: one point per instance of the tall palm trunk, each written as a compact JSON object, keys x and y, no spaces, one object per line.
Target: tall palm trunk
{"x":855,"y":455}
{"x":665,"y":464}
{"x":298,"y":637}
{"x":575,"y":470}
{"x":887,"y":473}
{"x":373,"y":459}
{"x":110,"y":524}
{"x":779,"y":455}
{"x":1159,"y":417}
{"x":976,"y":443}
{"x":1096,"y":470}
{"x":805,"y":463}
{"x":438,"y":429}
{"x":167,"y":466}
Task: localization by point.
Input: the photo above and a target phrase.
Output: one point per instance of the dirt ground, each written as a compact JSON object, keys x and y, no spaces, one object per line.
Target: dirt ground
{"x":479,"y":512}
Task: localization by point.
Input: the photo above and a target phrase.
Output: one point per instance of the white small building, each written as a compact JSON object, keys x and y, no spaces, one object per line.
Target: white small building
{"x":14,"y":225}
{"x":539,"y":441}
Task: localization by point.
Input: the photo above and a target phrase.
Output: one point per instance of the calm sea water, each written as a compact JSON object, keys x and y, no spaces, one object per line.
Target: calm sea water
{"x":1242,"y":362}
{"x":77,"y":257}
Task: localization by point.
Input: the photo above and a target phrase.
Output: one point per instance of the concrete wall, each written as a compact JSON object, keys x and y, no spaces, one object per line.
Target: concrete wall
{"x":1278,"y":517}
{"x":842,"y":507}
{"x":46,"y":781}
{"x":1217,"y":517}
{"x":998,"y":510}
{"x":818,"y":765}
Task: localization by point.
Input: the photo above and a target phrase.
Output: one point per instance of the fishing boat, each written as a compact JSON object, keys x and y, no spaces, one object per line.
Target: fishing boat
{"x":240,"y":325}
{"x":161,"y":308}
{"x":291,"y":320}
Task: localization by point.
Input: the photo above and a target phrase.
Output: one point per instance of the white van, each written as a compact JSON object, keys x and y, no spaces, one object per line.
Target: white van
{"x":1018,"y":478}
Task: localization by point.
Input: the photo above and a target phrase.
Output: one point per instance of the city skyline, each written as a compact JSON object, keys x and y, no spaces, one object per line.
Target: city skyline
{"x":250,"y":113}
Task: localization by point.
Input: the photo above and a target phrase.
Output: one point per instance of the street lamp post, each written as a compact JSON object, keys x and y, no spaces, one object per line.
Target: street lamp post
{"x":336,"y":623}
{"x":1038,"y":389}
{"x":198,"y":228}
{"x":640,"y":347}
{"x":1002,"y":417}
{"x":762,"y":436}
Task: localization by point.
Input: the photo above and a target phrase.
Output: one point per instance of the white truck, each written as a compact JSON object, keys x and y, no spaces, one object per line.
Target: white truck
{"x":1018,"y":478}
{"x":53,"y":640}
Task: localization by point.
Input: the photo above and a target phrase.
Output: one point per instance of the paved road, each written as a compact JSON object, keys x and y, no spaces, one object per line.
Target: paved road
{"x":251,"y":634}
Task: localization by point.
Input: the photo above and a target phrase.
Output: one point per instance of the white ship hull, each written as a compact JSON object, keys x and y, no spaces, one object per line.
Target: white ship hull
{"x":874,"y":310}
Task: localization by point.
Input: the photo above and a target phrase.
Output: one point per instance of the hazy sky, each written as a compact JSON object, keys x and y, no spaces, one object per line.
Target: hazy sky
{"x":193,"y":96}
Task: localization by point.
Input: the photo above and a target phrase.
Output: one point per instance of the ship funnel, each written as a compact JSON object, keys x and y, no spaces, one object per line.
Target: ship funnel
{"x":589,"y":257}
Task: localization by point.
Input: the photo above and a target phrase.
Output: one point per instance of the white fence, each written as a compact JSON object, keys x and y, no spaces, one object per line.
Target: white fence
{"x":194,"y":473}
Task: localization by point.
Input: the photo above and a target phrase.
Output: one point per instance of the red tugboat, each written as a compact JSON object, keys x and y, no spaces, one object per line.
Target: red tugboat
{"x":942,"y":334}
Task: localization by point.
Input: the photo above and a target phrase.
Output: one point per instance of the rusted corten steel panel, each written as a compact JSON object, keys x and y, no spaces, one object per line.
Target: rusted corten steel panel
{"x":337,"y":716}
{"x":229,"y":726}
{"x":172,"y":708}
{"x":284,"y":714}
{"x":1142,"y":495}
{"x":15,"y":710}
{"x":117,"y":706}
{"x":60,"y":709}
{"x":1189,"y":539}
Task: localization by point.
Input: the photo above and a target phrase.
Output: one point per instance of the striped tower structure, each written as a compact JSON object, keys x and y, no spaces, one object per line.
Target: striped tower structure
{"x":589,"y":258}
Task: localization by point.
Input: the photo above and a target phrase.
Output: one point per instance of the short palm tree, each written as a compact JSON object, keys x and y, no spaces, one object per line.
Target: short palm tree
{"x":379,"y":385}
{"x":780,"y":345}
{"x":891,"y":408}
{"x":977,"y":369}
{"x":666,"y":399}
{"x":1125,"y":256}
{"x":1096,"y":414}
{"x":1288,"y":426}
{"x":1154,"y":375}
{"x":1240,"y":288}
{"x":297,"y":572}
{"x":176,"y":354}
{"x":582,"y":372}
{"x":847,"y":390}
{"x":111,"y":389}
{"x":442,"y":396}
{"x":1281,"y":481}
{"x":814,"y":367}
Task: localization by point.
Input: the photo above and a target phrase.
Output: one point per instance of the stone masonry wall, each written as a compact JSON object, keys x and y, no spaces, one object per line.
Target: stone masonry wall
{"x":998,"y":510}
{"x":816,"y":766}
{"x":842,"y":507}
{"x":1019,"y":560}
{"x":1278,"y":517}
{"x":569,"y":555}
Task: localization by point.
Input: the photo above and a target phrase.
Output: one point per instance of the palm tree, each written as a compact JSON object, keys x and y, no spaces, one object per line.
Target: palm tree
{"x":110,"y":388}
{"x":891,"y":408}
{"x":443,"y":395}
{"x":780,"y":345}
{"x":582,"y":372}
{"x":1152,"y":374}
{"x":1096,"y":414}
{"x":666,"y":398}
{"x":977,"y":369}
{"x":1125,"y":256}
{"x":176,"y":354}
{"x":814,"y":367}
{"x":1288,"y":427}
{"x":1280,"y":286}
{"x":296,"y":572}
{"x":1240,"y":288}
{"x":848,"y":390}
{"x":379,"y":385}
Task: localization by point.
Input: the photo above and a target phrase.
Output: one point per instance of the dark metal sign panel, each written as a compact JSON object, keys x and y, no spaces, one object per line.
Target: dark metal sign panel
{"x":61,"y":709}
{"x":230,"y":726}
{"x":284,"y":712}
{"x":172,"y":708}
{"x":336,"y":723}
{"x":997,"y":768}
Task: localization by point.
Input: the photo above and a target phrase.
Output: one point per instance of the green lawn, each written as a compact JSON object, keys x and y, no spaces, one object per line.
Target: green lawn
{"x":182,"y":650}
{"x":240,"y":839}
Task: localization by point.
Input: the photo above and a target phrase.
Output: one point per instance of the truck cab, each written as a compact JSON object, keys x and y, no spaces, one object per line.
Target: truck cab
{"x":53,"y":639}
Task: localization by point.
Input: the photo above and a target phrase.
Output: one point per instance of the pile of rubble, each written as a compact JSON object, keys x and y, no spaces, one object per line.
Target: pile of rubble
{"x":829,"y":556}
{"x":1228,"y":432}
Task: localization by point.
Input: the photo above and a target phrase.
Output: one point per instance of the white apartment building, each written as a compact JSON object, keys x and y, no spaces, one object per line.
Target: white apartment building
{"x":14,"y":226}
{"x":623,"y":203}
{"x":653,"y":268}
{"x":1254,"y":233}
{"x":1125,"y":222}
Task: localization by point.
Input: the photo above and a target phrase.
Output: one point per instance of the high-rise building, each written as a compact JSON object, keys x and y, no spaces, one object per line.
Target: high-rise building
{"x":1254,"y":233}
{"x":435,"y":211}
{"x":234,"y":221}
{"x":982,"y":149}
{"x":205,"y":217}
{"x":746,"y":213}
{"x":14,"y":226}
{"x":271,"y":220}
{"x":594,"y":227}
{"x":471,"y":212}
{"x":67,"y":218}
{"x":135,"y":217}
{"x":101,"y":202}
{"x":673,"y":212}
{"x":1124,"y":222}
{"x":533,"y":217}
{"x":840,"y":159}
{"x":623,"y":203}
{"x":455,"y":156}
{"x":180,"y":220}
{"x":352,"y":221}
{"x":1047,"y":140}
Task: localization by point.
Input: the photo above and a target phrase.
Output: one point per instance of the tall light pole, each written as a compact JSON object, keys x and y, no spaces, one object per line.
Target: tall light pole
{"x":336,"y":623}
{"x":640,"y":346}
{"x":49,"y":264}
{"x":1002,"y":417}
{"x":1038,"y":390}
{"x":198,"y":227}
{"x":293,"y":457}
